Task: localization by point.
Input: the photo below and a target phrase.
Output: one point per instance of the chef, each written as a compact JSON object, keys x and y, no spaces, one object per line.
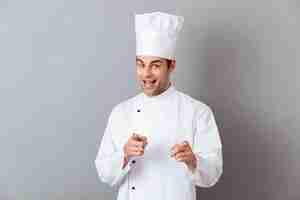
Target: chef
{"x":161,"y":143}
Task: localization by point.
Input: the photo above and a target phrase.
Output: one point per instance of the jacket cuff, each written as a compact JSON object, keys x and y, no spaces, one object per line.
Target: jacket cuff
{"x":120,"y":171}
{"x":200,"y":176}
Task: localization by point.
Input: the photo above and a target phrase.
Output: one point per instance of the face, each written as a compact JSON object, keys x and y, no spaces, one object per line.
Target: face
{"x":153,"y":74}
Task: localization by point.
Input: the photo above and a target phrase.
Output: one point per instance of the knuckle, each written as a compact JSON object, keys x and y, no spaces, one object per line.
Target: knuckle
{"x":141,"y":143}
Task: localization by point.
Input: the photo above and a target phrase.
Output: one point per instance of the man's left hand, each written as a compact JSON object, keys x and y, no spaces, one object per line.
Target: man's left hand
{"x":183,"y":153}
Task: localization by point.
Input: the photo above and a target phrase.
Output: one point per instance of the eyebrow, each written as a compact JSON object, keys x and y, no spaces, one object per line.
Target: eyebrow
{"x":154,"y":61}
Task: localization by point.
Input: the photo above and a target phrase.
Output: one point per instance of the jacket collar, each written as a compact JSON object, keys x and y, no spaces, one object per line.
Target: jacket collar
{"x":164,"y":95}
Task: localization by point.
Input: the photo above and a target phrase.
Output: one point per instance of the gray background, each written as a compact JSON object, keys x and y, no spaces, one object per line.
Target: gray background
{"x":64,"y":64}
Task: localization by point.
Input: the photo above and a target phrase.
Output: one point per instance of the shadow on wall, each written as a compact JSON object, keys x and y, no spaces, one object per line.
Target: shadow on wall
{"x":231,"y":62}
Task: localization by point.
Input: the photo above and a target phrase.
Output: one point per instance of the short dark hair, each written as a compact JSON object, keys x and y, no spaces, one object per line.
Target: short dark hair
{"x":169,"y":62}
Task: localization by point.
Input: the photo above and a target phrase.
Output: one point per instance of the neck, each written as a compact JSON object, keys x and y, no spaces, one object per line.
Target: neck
{"x":162,"y":91}
{"x":169,"y":84}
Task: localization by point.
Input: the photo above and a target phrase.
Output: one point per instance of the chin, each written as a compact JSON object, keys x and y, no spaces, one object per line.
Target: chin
{"x":149,"y":92}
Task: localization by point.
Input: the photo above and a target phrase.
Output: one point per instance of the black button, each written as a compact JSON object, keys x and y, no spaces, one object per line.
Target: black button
{"x":138,"y":110}
{"x":133,"y":161}
{"x":133,"y":188}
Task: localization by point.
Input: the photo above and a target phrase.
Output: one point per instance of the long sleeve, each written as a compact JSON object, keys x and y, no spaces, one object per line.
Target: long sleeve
{"x":109,"y":159}
{"x":207,"y":147}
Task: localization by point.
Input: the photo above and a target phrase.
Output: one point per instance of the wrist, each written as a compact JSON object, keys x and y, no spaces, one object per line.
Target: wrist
{"x":125,"y":161}
{"x":192,"y":164}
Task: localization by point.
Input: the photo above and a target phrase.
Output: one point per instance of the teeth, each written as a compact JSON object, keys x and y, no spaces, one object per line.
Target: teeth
{"x":149,"y":82}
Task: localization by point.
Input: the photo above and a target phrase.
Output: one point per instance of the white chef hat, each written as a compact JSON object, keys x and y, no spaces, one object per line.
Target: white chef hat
{"x":157,"y":33}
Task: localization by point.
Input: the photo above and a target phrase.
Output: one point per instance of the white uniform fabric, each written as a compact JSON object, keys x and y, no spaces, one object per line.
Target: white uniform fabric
{"x":166,"y":119}
{"x":157,"y":33}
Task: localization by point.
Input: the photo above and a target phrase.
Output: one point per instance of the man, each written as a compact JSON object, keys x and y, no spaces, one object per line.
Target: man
{"x":161,"y":143}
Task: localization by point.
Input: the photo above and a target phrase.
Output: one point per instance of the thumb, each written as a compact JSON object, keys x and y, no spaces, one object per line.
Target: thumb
{"x":185,"y":143}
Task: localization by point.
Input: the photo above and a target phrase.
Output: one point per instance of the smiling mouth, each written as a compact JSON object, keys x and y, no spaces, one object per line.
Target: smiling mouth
{"x":148,"y":84}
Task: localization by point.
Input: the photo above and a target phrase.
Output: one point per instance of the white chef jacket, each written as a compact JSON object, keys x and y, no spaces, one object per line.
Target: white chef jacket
{"x":166,"y":119}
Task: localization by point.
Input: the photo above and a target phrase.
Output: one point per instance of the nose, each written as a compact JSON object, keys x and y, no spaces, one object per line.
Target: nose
{"x":147,"y":72}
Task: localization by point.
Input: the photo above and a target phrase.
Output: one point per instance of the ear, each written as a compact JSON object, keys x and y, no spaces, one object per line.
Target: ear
{"x":172,"y":65}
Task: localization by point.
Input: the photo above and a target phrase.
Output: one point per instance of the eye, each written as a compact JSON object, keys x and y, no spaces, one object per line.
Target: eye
{"x":156,"y":66}
{"x":140,"y":65}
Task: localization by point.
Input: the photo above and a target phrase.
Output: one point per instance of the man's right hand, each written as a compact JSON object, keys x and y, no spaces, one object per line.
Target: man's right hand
{"x":134,"y":147}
